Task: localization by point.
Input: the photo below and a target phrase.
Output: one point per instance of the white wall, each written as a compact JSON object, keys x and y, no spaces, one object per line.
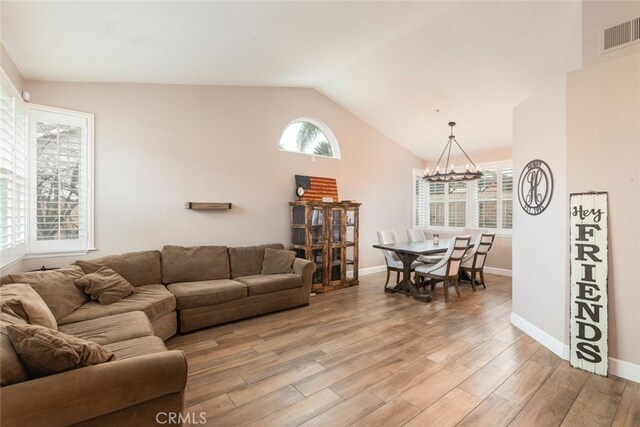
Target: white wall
{"x":10,"y":68}
{"x":158,"y":146}
{"x":597,"y":15}
{"x":540,"y":246}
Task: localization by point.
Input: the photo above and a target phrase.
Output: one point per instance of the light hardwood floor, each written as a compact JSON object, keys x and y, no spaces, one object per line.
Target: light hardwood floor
{"x":362,"y":357}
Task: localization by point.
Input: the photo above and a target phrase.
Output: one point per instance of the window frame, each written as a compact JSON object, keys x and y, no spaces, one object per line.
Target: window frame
{"x":54,"y":248}
{"x":331,"y":138}
{"x":471,"y":203}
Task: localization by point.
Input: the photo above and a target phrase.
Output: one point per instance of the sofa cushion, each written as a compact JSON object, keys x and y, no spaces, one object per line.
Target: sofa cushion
{"x":12,"y":370}
{"x":207,"y":292}
{"x":139,"y":268}
{"x":154,"y":300}
{"x":21,"y":300}
{"x":45,"y":351}
{"x":191,"y":264}
{"x":277,"y":261}
{"x":110,"y":329}
{"x":136,"y":347}
{"x":105,"y":285}
{"x":56,"y":288}
{"x":247,"y":261}
{"x":260,"y":284}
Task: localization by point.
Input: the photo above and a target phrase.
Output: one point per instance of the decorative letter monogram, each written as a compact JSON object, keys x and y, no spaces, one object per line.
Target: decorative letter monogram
{"x":535,"y":187}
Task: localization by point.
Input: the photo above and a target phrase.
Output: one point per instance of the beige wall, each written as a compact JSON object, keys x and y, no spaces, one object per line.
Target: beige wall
{"x":587,"y":128}
{"x":10,"y":68}
{"x":597,"y":15}
{"x":540,"y":242}
{"x":158,"y":146}
{"x":603,"y":152}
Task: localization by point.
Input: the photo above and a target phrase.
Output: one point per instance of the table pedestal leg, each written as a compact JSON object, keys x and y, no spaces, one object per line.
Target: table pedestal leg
{"x":406,"y":285}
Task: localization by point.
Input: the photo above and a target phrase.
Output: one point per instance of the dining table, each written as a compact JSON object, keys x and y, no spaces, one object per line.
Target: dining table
{"x":408,"y":253}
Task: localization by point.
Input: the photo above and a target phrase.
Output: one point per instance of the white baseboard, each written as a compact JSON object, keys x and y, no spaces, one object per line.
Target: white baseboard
{"x":498,"y":271}
{"x":619,"y":368}
{"x":553,"y":344}
{"x":372,"y":270}
{"x":626,"y":370}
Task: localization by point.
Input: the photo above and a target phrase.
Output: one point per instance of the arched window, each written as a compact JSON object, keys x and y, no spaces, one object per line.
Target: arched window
{"x":308,"y":136}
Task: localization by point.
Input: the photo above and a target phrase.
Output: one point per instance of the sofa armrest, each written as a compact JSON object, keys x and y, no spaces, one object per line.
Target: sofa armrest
{"x":305,"y":268}
{"x":81,"y":394}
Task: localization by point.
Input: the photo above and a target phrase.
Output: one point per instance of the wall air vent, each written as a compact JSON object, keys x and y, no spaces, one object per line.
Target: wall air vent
{"x":620,"y":35}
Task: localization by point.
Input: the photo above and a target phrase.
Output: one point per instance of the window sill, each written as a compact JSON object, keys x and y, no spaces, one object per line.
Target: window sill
{"x":499,"y":233}
{"x":55,"y":254}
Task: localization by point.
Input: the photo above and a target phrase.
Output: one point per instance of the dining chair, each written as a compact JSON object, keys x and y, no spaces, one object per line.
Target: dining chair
{"x":391,"y":258}
{"x":448,"y":269}
{"x":417,"y":235}
{"x":473,"y":262}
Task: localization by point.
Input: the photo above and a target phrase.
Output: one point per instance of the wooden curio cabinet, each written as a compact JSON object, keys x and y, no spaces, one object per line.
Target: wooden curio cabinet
{"x":327,"y":234}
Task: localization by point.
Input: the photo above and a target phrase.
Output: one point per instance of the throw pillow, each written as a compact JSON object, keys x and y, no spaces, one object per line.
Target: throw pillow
{"x":278,"y":261}
{"x":45,"y":351}
{"x":105,"y":285}
{"x":56,"y":288}
{"x":139,"y":268}
{"x":19,"y":299}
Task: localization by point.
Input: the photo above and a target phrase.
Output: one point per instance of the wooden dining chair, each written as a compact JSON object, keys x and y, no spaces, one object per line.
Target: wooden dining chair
{"x":448,"y":269}
{"x":418,"y":235}
{"x":391,"y":258}
{"x":473,"y":262}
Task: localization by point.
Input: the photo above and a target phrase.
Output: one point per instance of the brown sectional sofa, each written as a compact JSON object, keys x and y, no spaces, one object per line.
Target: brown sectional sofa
{"x":178,"y":288}
{"x":144,"y":379}
{"x":224,"y":284}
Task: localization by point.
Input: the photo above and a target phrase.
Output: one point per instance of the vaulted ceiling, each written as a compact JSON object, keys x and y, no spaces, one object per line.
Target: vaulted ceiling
{"x":406,"y":68}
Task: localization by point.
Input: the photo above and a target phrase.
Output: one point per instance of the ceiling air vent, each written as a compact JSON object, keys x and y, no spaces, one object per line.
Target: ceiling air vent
{"x":621,"y":35}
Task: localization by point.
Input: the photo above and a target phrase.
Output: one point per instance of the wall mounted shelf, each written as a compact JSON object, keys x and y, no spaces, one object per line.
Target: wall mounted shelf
{"x":207,"y":206}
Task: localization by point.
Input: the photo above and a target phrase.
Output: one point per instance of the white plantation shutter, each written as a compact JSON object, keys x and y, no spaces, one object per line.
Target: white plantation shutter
{"x":60,"y":188}
{"x":507,"y":198}
{"x":457,"y":202}
{"x":436,"y":204}
{"x":419,"y":200}
{"x":13,"y":170}
{"x":488,"y":200}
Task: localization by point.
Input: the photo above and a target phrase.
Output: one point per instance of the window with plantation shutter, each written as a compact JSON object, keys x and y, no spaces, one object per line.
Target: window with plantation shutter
{"x":419,"y":200}
{"x":484,"y":203}
{"x":507,"y":198}
{"x":457,"y":202}
{"x":437,"y":204}
{"x":61,"y":213}
{"x":488,"y":200}
{"x":13,"y":173}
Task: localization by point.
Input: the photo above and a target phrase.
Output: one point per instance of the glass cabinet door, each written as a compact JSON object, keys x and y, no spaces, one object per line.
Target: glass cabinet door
{"x":316,"y":227}
{"x":317,"y":256}
{"x":336,"y":264}
{"x":336,"y":226}
{"x":298,"y":232}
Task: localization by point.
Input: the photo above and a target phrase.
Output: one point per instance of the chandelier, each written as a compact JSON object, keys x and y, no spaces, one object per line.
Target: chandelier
{"x":471,"y":171}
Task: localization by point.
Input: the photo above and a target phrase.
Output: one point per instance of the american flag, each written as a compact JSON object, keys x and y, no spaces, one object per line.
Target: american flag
{"x":315,"y":188}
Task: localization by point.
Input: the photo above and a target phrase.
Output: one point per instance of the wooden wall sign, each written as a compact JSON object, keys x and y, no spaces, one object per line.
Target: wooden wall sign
{"x":588,"y":280}
{"x":315,"y":188}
